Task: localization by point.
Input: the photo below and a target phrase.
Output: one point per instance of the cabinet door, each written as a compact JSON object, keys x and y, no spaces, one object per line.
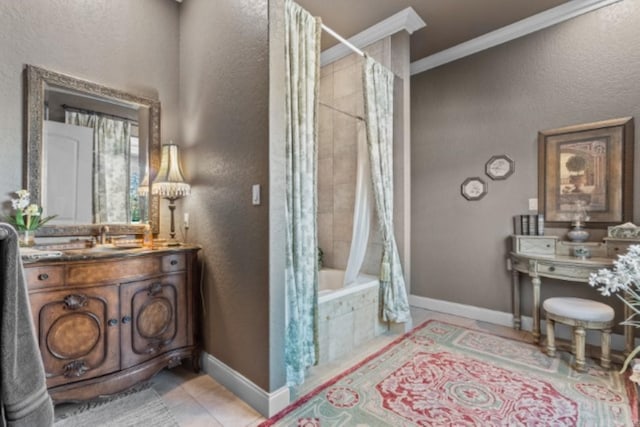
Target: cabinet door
{"x":154,"y":317}
{"x":78,"y":334}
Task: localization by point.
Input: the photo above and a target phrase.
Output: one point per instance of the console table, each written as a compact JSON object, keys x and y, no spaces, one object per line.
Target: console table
{"x":547,"y":256}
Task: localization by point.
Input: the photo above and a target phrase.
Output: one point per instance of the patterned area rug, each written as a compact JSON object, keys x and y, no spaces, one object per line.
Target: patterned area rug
{"x":445,"y":375}
{"x":141,"y":406}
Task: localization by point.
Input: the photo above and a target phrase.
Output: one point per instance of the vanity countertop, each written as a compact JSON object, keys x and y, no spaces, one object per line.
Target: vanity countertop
{"x":31,"y":256}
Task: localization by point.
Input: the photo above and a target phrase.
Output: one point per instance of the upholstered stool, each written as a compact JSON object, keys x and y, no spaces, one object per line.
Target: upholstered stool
{"x":580,"y":314}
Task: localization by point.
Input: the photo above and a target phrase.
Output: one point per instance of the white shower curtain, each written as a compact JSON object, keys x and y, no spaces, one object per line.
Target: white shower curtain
{"x":302,"y":62}
{"x":378,"y":106}
{"x":362,"y":211}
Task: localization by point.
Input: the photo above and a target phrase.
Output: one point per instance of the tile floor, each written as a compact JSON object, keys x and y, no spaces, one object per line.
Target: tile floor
{"x":198,"y":400}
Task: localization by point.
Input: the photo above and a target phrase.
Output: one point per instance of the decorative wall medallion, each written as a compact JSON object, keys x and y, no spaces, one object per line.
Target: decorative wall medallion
{"x":499,"y":167}
{"x":473,"y":188}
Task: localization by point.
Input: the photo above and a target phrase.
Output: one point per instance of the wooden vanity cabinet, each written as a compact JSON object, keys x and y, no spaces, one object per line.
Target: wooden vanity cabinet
{"x":107,"y":323}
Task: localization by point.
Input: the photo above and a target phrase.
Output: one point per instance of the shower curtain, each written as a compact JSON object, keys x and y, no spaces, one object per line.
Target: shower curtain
{"x":302,"y":61}
{"x":362,"y":209}
{"x":111,"y":165}
{"x":378,"y":106}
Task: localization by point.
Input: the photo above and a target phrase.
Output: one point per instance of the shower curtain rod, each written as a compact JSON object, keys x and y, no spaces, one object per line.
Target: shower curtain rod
{"x":342,"y":40}
{"x":98,"y":113}
{"x":331,"y":107}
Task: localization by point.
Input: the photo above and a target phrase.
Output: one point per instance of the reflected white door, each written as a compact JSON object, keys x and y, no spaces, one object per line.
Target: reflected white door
{"x":67,"y":173}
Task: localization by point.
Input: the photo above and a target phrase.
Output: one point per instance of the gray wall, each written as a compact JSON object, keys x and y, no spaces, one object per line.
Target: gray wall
{"x":224,"y":105}
{"x":495,"y":102}
{"x":128,"y":45}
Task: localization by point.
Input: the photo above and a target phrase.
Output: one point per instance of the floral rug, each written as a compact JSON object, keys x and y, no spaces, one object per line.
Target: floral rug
{"x":445,"y":375}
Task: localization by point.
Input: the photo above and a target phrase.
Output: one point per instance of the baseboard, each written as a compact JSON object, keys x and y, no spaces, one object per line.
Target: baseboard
{"x":265,"y":403}
{"x":506,"y":319}
{"x":462,"y":310}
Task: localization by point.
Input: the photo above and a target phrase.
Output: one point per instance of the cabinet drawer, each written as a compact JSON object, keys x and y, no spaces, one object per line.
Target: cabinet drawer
{"x":539,"y":246}
{"x":615,"y":249}
{"x":174,"y":262}
{"x":575,"y":273}
{"x":45,"y":276}
{"x":112,"y":270}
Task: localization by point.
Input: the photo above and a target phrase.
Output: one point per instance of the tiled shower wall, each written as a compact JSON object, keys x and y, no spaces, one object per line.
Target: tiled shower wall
{"x":341,"y":89}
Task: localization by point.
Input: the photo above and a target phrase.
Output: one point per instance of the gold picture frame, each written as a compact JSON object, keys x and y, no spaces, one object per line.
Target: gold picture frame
{"x":587,"y":170}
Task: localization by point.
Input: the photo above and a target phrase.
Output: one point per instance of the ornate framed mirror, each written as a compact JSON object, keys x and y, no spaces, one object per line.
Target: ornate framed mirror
{"x":91,"y":152}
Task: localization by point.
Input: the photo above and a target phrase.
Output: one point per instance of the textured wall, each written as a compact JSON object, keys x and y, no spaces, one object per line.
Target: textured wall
{"x":224,"y":104}
{"x":129,"y":45}
{"x":495,"y":102}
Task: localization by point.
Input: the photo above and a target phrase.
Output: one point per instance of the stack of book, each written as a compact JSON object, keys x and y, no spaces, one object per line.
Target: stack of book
{"x":528,"y":225}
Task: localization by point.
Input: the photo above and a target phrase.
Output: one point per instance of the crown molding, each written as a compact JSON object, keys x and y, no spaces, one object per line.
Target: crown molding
{"x":407,"y":20}
{"x":513,"y":31}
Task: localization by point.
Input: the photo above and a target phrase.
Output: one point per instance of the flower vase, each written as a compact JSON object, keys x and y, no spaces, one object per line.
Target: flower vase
{"x":26,"y":238}
{"x":578,"y":233}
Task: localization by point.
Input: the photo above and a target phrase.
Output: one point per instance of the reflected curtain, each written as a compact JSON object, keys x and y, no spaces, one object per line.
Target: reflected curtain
{"x":111,"y":165}
{"x":302,"y":59}
{"x":378,"y":106}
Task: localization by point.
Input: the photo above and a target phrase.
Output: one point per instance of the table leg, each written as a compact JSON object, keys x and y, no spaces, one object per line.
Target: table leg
{"x":515,"y":282}
{"x":535,"y":330}
{"x":629,"y":337}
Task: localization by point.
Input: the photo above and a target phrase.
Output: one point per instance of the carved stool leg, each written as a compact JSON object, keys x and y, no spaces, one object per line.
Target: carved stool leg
{"x":551,"y":339}
{"x":573,"y":341}
{"x":579,"y":334}
{"x":605,"y":358}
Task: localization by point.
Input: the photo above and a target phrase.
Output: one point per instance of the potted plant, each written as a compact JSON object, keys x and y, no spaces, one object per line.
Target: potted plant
{"x":576,"y":164}
{"x":624,"y":278}
{"x":27,"y":218}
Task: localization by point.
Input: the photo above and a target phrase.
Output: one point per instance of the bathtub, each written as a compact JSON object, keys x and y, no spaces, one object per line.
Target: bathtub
{"x":347,"y":315}
{"x":330,"y":284}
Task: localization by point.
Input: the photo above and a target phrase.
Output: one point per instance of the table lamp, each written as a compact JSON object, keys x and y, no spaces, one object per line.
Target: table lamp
{"x":169,"y":182}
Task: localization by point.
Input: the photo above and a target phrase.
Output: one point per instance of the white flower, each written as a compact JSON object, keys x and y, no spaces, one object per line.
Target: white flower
{"x":625,"y":274}
{"x":32,"y":210}
{"x":23,"y":200}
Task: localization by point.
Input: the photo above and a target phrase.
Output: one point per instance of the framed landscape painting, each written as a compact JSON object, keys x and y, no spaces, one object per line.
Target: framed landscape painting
{"x":586,"y":170}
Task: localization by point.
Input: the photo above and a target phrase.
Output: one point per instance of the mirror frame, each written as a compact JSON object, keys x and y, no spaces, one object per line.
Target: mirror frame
{"x":36,"y":80}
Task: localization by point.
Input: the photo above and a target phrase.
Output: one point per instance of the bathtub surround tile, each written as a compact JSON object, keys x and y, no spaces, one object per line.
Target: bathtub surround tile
{"x":325,"y":174}
{"x":343,"y":226}
{"x":325,"y":236}
{"x":347,"y":81}
{"x":344,"y":135}
{"x":325,"y":70}
{"x":340,"y":254}
{"x":344,"y":169}
{"x":352,"y":104}
{"x":325,"y":199}
{"x":326,"y":88}
{"x":325,"y":132}
{"x":374,"y":231}
{"x":348,"y":61}
{"x":343,"y":197}
{"x":364,"y":320}
{"x":341,"y":336}
{"x":372,"y":259}
{"x":323,"y":340}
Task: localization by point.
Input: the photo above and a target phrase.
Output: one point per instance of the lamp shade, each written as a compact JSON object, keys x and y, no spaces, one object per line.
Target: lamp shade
{"x":143,"y":188}
{"x":169,"y":182}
